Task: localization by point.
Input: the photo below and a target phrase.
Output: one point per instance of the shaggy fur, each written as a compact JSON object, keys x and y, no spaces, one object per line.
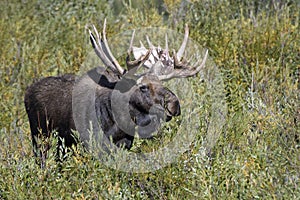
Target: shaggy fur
{"x":64,"y":104}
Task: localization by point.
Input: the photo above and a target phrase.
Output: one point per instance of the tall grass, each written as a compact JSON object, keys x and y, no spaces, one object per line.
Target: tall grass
{"x":256,"y":47}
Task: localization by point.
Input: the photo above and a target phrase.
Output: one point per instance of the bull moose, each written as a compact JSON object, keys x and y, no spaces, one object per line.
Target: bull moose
{"x":49,"y":102}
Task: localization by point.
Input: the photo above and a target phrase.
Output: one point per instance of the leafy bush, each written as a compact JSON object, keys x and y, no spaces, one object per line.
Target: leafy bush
{"x":255,"y":46}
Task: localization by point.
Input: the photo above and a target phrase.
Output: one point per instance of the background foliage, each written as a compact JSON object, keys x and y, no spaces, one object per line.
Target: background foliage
{"x":256,"y":46}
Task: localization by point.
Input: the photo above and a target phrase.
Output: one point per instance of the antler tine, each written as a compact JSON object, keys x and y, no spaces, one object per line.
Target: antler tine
{"x":131,"y":43}
{"x":149,"y":42}
{"x":184,"y":43}
{"x":96,"y":43}
{"x":167,"y":47}
{"x":142,"y":45}
{"x":184,"y":71}
{"x":109,"y":54}
{"x":177,"y":63}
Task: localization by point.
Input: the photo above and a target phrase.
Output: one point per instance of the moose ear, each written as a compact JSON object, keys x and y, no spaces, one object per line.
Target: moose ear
{"x":125,"y":84}
{"x":100,"y":78}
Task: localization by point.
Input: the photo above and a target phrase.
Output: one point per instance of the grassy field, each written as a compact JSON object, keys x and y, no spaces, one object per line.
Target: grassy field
{"x":256,"y":48}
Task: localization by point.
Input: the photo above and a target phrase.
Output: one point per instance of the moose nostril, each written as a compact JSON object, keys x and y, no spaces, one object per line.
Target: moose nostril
{"x":174,"y":109}
{"x":168,"y":118}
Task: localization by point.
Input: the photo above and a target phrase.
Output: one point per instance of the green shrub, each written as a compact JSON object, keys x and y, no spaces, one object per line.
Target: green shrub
{"x":255,"y":46}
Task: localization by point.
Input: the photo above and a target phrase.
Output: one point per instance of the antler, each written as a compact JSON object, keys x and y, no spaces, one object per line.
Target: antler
{"x":140,"y":60}
{"x":183,"y":70}
{"x":161,"y":64}
{"x":157,"y":60}
{"x":102,"y":49}
{"x":184,"y":43}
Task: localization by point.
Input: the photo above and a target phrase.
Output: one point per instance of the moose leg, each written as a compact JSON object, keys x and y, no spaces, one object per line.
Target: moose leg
{"x":39,"y":132}
{"x":65,"y":141}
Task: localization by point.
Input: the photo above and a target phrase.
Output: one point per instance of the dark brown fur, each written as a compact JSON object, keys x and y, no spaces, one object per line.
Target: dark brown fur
{"x":49,"y":101}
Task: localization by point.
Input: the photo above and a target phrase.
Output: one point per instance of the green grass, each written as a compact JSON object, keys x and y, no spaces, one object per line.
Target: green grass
{"x":256,"y":48}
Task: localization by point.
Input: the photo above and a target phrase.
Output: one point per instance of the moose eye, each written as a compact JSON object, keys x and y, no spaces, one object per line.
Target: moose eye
{"x":144,"y":88}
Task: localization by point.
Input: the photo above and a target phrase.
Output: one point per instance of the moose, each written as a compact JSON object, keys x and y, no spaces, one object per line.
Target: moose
{"x":51,"y":104}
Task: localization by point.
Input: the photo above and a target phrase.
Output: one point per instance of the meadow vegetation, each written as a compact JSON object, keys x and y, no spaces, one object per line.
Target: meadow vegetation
{"x":256,"y":48}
